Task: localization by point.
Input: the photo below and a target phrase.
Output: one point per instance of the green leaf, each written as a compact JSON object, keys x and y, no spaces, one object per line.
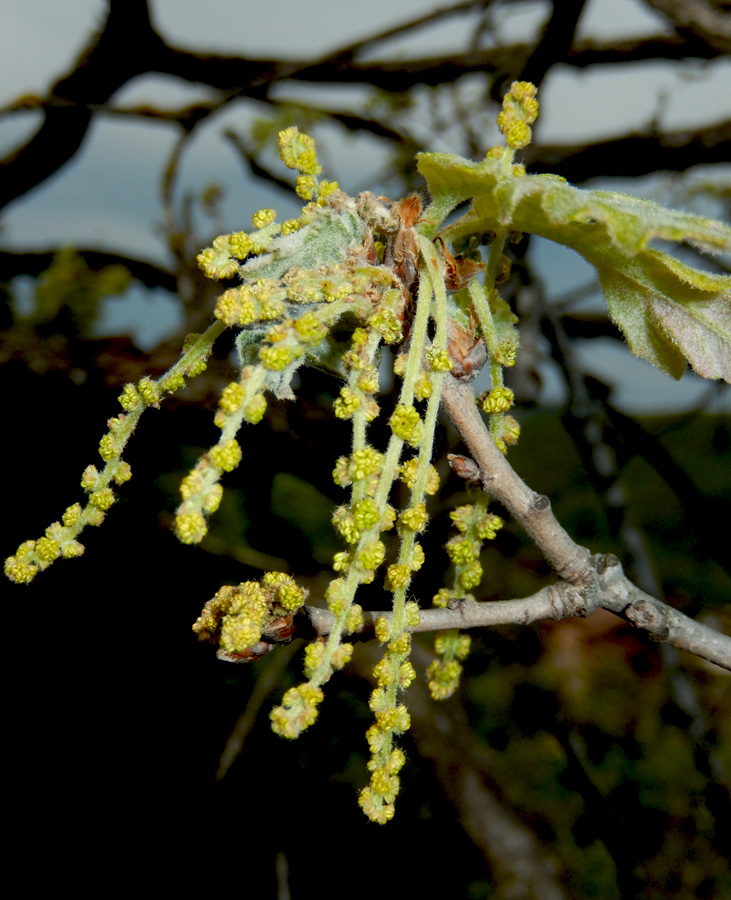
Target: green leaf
{"x":453,"y":179}
{"x":670,"y":313}
{"x":667,"y":311}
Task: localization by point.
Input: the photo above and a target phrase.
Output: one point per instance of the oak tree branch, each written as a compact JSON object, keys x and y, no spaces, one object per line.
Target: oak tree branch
{"x":587,"y":583}
{"x":599,"y":579}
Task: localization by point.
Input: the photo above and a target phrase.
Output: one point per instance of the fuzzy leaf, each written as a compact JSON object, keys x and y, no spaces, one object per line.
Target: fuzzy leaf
{"x":668,"y":312}
{"x":456,"y":179}
{"x":682,"y":314}
{"x":326,"y":239}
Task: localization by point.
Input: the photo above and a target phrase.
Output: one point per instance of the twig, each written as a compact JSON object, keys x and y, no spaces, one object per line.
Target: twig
{"x":570,"y":561}
{"x":611,"y":590}
{"x":587,"y":582}
{"x":600,"y":579}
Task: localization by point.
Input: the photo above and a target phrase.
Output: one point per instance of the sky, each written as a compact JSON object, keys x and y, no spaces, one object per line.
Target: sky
{"x":109,"y":197}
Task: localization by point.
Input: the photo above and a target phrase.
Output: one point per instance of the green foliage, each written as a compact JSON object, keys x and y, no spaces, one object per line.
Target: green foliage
{"x":330,"y":289}
{"x":669,"y":312}
{"x":67,"y":295}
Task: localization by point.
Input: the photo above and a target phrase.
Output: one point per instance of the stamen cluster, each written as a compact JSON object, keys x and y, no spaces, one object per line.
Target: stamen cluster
{"x":474,"y":526}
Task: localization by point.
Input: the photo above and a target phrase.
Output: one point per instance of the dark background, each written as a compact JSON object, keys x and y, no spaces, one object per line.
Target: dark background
{"x":579,"y":759}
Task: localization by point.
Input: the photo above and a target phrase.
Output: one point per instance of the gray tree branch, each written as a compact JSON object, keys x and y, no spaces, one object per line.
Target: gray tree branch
{"x":703,"y":21}
{"x":106,"y":64}
{"x":609,"y":588}
{"x":600,"y":580}
{"x":587,"y":582}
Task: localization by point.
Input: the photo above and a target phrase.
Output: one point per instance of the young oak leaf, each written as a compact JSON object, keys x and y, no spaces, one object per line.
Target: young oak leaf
{"x":551,"y":207}
{"x":667,"y":311}
{"x":682,"y":314}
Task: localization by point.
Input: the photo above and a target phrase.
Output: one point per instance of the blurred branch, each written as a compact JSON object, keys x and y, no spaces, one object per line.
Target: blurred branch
{"x":267,"y":682}
{"x":101,"y":69}
{"x":634,"y":154}
{"x":106,"y":64}
{"x":403,"y":74}
{"x":607,"y":439}
{"x":555,"y":42}
{"x":13,"y":264}
{"x":521,"y":864}
{"x":704,"y":21}
{"x":254,"y":166}
{"x":248,"y":77}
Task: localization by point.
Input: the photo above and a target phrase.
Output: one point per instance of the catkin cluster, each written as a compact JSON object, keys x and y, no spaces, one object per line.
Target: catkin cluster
{"x":376,"y":271}
{"x":474,"y":526}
